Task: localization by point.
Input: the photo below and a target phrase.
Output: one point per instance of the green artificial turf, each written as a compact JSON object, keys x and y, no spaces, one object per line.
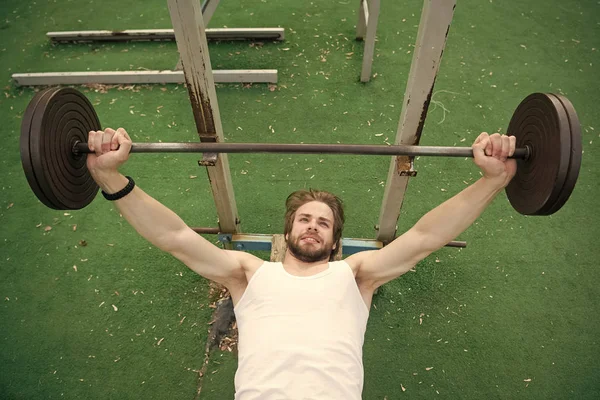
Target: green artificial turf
{"x":88,"y":309}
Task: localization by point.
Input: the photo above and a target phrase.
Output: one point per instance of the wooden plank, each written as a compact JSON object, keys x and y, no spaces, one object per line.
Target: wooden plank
{"x":365,"y":7}
{"x":247,"y":33}
{"x":190,"y":35}
{"x":247,"y":76}
{"x":140,"y":77}
{"x":208,"y":9}
{"x":165,"y":35}
{"x":361,"y":26}
{"x":435,"y":23}
{"x":279,"y":248}
{"x":372,"y":20}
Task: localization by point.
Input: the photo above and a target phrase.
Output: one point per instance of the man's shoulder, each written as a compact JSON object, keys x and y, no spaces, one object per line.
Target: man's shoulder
{"x":246,"y":260}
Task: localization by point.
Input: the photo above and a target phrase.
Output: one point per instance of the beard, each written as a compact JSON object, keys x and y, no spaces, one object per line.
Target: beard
{"x":309,"y":253}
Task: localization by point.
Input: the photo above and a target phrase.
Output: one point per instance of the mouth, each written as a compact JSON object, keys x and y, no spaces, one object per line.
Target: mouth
{"x":310,"y":239}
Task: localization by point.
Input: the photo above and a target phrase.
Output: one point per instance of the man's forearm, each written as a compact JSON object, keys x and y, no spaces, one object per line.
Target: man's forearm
{"x":445,"y":222}
{"x":149,"y":218}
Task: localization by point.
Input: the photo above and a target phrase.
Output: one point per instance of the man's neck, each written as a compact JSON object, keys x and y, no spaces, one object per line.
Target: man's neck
{"x":300,"y":268}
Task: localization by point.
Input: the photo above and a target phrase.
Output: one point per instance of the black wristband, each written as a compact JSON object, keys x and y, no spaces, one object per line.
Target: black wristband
{"x":121,"y":193}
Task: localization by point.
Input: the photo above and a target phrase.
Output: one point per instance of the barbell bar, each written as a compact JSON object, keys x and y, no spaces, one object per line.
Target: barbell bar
{"x":57,"y":121}
{"x":308,"y":148}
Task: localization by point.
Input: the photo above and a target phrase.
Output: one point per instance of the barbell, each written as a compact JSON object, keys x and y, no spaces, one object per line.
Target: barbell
{"x":57,"y":121}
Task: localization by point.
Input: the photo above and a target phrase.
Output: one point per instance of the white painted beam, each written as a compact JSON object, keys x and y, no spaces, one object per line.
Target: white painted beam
{"x":165,"y":35}
{"x":435,"y":23}
{"x":372,"y":17}
{"x":140,"y":77}
{"x":186,"y":17}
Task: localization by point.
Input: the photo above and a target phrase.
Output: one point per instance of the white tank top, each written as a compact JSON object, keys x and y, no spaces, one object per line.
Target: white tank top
{"x":300,"y":337}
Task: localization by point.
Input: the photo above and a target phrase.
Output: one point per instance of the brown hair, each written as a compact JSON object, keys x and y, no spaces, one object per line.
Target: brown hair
{"x":300,"y":197}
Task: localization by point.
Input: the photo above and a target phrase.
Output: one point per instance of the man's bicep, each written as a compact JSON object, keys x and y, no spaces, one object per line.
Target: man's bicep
{"x":205,"y":258}
{"x":401,"y":255}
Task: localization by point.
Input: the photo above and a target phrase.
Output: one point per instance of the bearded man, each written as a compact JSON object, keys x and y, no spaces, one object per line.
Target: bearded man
{"x":301,"y":322}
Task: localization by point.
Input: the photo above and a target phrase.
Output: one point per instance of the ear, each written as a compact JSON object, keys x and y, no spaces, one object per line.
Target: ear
{"x":334,"y":246}
{"x":285,"y":237}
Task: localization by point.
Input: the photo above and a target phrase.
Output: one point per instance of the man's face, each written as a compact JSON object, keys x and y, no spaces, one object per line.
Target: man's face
{"x":311,"y":238}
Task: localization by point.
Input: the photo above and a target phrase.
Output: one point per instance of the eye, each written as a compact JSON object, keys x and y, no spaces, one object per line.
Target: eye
{"x":324,"y":224}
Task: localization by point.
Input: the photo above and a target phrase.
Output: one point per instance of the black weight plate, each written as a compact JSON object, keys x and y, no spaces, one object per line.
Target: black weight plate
{"x":68,"y":120}
{"x":540,"y":123}
{"x":66,"y":116}
{"x":26,"y":161}
{"x":38,"y":151}
{"x":575,"y":159}
{"x":565,"y":150}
